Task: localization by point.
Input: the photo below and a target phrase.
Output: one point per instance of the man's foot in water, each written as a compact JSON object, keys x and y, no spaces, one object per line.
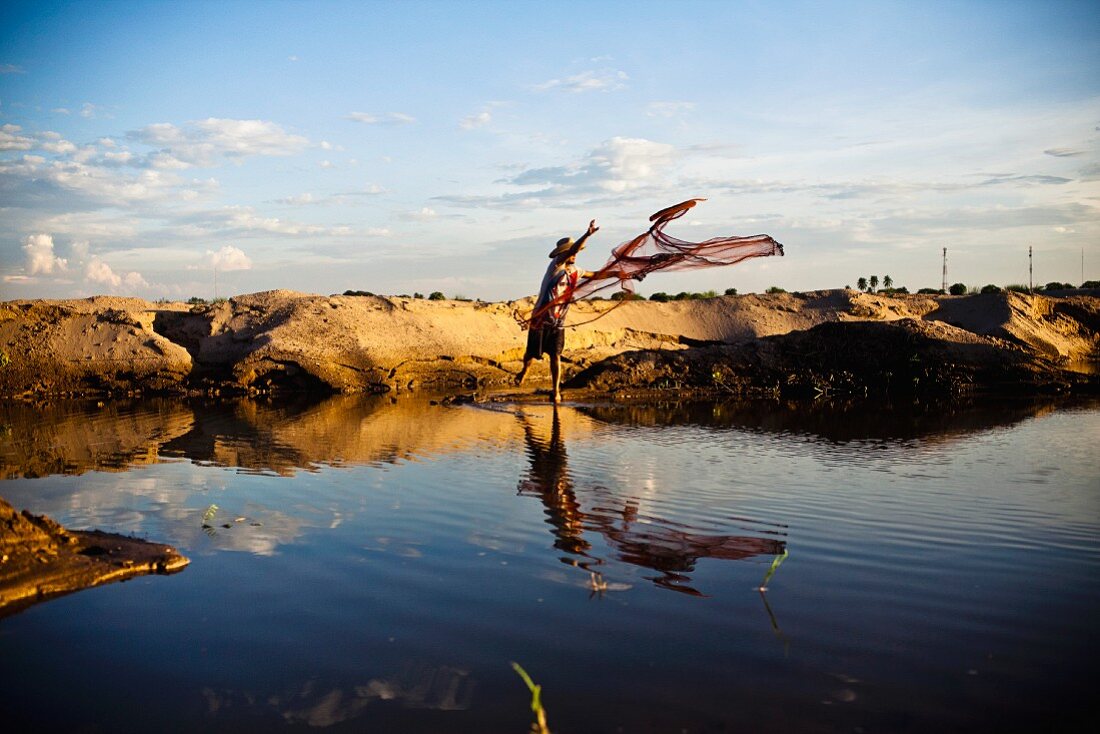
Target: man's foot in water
{"x":555,"y":398}
{"x":520,"y":375}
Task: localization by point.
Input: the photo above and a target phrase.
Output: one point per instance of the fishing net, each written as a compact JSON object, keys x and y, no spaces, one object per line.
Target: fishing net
{"x":655,"y":250}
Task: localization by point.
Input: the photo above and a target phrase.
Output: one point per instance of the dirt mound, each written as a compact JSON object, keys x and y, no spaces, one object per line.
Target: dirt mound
{"x":283,"y":340}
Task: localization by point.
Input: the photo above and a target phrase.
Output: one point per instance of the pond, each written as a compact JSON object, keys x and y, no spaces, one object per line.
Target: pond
{"x":371,"y":564}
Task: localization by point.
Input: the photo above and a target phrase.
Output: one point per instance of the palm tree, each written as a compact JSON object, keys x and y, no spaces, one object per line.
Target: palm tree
{"x":861,"y":283}
{"x":874,"y":282}
{"x":887,"y":281}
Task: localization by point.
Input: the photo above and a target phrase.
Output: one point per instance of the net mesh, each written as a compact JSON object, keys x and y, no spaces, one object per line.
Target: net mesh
{"x":655,"y":250}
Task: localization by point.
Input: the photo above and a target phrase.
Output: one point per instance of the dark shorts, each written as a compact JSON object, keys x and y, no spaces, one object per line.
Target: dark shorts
{"x":548,"y":340}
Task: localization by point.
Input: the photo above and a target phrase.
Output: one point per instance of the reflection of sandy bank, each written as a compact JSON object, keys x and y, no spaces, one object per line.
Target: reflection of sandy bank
{"x":345,"y":430}
{"x":72,"y":437}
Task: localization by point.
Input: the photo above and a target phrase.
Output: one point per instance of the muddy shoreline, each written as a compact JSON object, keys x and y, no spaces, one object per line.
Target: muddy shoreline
{"x":838,"y":343}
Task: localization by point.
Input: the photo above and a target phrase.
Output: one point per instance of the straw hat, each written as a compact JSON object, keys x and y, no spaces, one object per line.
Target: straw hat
{"x":566,"y":247}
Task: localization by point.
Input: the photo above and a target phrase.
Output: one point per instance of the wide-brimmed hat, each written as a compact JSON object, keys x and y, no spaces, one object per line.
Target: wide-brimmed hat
{"x":566,"y":247}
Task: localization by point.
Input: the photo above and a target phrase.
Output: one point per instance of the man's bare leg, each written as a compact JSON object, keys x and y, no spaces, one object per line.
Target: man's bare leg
{"x":523,"y":372}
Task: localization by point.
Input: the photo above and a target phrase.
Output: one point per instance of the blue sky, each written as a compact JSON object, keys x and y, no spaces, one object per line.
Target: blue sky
{"x":422,"y":146}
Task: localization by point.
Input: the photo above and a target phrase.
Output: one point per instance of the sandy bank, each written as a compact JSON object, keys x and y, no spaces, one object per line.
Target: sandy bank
{"x":281,"y":340}
{"x":40,"y":560}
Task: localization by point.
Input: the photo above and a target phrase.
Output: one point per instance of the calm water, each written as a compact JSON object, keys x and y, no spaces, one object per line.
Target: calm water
{"x":384,"y":562}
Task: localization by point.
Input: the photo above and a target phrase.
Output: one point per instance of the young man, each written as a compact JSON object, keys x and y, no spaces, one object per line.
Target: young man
{"x":546,"y":332}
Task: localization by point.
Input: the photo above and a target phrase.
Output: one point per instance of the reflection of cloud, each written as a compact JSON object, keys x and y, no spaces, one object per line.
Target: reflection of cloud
{"x":438,"y":688}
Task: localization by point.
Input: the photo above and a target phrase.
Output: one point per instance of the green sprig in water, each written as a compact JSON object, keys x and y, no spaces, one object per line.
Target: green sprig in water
{"x":539,"y":725}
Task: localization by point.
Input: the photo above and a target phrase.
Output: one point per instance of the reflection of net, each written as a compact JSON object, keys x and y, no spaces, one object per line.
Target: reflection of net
{"x":654,"y":250}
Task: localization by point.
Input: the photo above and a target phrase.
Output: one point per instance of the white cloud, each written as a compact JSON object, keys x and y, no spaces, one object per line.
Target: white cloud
{"x":40,"y":257}
{"x":669,"y":109}
{"x":61,"y":111}
{"x":587,"y":81}
{"x":299,"y":200}
{"x":204,"y":142}
{"x":387,"y":118}
{"x":326,"y":164}
{"x":617,"y":165}
{"x":227,"y":258}
{"x":58,"y":146}
{"x":89,"y":110}
{"x":481,"y":119}
{"x":292,"y":58}
{"x":97,"y":271}
{"x":11,"y":140}
{"x":1064,"y":152}
{"x":424,"y":214}
{"x":11,"y":69}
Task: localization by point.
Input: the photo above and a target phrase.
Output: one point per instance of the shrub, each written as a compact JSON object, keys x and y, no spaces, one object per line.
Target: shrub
{"x":624,"y":296}
{"x":1056,"y":286}
{"x":990,"y":289}
{"x":682,"y":296}
{"x":731,"y":292}
{"x":1017,"y":288}
{"x":418,"y":295}
{"x":775,"y":289}
{"x":1091,"y":284}
{"x":196,"y":301}
{"x":930,"y":291}
{"x":957,"y":289}
{"x":358,"y":293}
{"x":660,"y":297}
{"x":437,"y":296}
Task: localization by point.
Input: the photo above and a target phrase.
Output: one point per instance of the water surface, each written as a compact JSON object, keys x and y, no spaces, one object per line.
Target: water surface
{"x":385,"y":561}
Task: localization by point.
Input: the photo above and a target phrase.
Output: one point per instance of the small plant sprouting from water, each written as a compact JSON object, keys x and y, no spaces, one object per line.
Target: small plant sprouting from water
{"x":207,"y":518}
{"x":538,"y":726}
{"x":776,"y":563}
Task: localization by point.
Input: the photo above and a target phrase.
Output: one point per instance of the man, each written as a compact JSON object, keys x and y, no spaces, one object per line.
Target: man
{"x":546,"y":332}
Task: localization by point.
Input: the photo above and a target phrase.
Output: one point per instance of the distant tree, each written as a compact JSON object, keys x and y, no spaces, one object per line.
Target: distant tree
{"x":418,"y":295}
{"x":196,"y":301}
{"x":873,"y":282}
{"x":957,"y":289}
{"x":775,"y":289}
{"x":437,"y":296}
{"x":625,"y":296}
{"x":660,"y":297}
{"x":929,"y":291}
{"x":887,"y":282}
{"x":731,"y":292}
{"x":990,"y":289}
{"x":709,"y":294}
{"x":861,"y":283}
{"x":682,"y":296}
{"x":1091,"y":284}
{"x":358,"y":293}
{"x":902,"y":289}
{"x":1017,"y":288}
{"x":1056,"y":286}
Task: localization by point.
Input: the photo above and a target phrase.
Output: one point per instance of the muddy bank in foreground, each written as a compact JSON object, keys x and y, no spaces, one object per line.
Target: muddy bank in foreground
{"x":40,"y":560}
{"x":825,"y":342}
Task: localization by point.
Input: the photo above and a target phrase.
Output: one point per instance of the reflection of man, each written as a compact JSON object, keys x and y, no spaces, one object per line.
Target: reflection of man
{"x":549,"y":478}
{"x":546,"y":332}
{"x":670,"y":548}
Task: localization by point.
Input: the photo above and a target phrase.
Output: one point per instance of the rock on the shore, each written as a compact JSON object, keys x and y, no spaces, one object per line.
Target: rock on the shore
{"x":39,"y":559}
{"x":285,"y":340}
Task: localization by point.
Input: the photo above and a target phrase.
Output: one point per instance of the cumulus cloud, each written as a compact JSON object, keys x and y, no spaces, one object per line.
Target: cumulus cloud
{"x":617,"y":165}
{"x":227,"y":258}
{"x":205,"y":142}
{"x":587,"y":81}
{"x":386,"y":118}
{"x":97,"y":271}
{"x":40,"y":257}
{"x":10,"y":139}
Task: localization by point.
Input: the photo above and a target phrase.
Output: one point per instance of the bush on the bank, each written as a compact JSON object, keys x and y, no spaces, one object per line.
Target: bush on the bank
{"x":931,"y":291}
{"x":660,"y":297}
{"x":437,"y":296}
{"x":731,"y":292}
{"x":776,"y":289}
{"x":990,"y":289}
{"x":957,"y":289}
